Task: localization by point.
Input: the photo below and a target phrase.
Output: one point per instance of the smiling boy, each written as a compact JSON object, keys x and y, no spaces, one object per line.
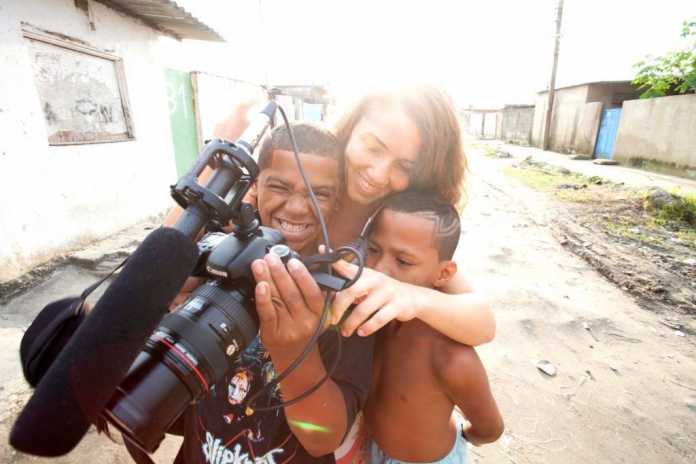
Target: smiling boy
{"x":419,"y":374}
{"x":282,"y":198}
{"x":220,"y":429}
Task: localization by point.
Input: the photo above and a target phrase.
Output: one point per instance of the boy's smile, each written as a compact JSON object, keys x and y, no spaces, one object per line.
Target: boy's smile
{"x":283,"y":200}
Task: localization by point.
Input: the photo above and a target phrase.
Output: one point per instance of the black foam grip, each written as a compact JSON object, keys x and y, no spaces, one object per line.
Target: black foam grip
{"x":82,"y":379}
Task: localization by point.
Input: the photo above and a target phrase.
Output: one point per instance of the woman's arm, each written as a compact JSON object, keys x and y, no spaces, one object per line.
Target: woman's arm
{"x":461,"y":313}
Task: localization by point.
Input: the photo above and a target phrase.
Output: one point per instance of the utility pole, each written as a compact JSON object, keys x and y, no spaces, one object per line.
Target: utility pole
{"x":552,"y":83}
{"x":265,"y":52}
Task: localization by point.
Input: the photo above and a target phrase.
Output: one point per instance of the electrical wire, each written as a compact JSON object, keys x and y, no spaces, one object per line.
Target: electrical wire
{"x":325,"y":311}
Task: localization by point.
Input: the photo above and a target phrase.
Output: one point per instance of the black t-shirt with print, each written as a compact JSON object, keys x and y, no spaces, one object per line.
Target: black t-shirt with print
{"x":217,"y":430}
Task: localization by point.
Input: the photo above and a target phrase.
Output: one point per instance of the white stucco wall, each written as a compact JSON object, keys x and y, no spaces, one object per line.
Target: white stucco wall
{"x":55,"y":197}
{"x":658,"y":129}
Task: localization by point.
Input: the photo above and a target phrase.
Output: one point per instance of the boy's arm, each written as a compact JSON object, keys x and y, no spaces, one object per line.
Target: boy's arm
{"x":464,"y":378}
{"x":319,"y":421}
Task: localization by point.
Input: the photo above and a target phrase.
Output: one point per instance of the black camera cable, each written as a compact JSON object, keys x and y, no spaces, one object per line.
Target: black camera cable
{"x":327,"y":302}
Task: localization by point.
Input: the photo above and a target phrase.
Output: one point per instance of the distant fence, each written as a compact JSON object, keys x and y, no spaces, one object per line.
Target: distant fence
{"x":658,"y":129}
{"x":516,"y":124}
{"x":482,"y":124}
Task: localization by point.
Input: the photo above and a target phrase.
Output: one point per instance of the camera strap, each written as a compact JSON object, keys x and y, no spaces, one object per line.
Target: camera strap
{"x":139,"y":456}
{"x":52,"y":329}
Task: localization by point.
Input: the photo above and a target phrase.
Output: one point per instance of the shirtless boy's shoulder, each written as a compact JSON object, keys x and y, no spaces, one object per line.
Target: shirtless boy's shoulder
{"x":450,"y":358}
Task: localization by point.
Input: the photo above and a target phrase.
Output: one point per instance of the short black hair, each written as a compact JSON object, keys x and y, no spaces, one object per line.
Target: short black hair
{"x":431,"y":205}
{"x":311,"y":138}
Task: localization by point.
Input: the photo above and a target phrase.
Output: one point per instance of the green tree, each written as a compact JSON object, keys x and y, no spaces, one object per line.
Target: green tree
{"x":673,"y":73}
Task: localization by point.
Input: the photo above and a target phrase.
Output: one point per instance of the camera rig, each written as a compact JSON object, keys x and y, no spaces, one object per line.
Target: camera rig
{"x":195,"y":345}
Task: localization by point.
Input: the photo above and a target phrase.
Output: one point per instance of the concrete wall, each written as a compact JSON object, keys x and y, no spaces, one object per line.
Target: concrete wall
{"x":538,"y":122}
{"x":568,"y":108}
{"x":588,"y":126}
{"x":516,"y":124}
{"x":481,"y":123}
{"x":612,"y":94}
{"x":575,"y":121}
{"x":490,"y":125}
{"x":54,"y":197}
{"x":499,"y":125}
{"x":661,"y":129}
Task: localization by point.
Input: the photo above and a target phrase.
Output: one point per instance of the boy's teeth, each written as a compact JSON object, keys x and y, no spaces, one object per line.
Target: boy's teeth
{"x":287,"y":226}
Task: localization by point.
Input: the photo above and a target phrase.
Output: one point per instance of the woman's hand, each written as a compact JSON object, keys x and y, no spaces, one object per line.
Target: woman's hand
{"x":379,"y":299}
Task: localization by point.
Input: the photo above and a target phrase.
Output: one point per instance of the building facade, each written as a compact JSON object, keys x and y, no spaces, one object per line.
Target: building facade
{"x":86,"y":144}
{"x":577,"y":113}
{"x":516,"y":124}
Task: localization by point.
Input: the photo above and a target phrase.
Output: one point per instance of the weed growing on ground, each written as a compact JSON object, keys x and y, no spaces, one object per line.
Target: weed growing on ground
{"x":676,"y":220}
{"x":570,"y":187}
{"x":634,"y":231}
{"x":539,"y":179}
{"x":682,"y":210}
{"x":487,"y":150}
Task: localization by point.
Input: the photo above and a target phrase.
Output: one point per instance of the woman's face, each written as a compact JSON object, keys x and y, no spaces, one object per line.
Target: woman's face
{"x":381,"y":154}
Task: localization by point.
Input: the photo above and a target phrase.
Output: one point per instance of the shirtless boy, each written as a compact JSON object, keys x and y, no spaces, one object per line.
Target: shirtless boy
{"x":419,"y":374}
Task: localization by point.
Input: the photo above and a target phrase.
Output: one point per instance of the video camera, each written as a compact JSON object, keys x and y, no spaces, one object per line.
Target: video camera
{"x":194,"y":346}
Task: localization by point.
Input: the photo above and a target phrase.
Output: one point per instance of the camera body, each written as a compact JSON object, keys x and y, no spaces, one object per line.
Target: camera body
{"x":195,"y":345}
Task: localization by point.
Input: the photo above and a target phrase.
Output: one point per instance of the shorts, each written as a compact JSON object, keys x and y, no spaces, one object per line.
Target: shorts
{"x":457,"y":455}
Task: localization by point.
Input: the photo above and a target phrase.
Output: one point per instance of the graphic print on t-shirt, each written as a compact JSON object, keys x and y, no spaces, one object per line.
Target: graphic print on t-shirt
{"x":227,"y":434}
{"x":217,"y":429}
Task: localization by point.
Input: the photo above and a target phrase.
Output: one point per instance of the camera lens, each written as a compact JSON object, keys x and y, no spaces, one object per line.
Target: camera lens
{"x":191,"y":350}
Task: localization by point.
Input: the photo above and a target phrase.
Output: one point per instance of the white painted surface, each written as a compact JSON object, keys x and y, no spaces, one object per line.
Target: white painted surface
{"x":217,"y":96}
{"x":661,"y":129}
{"x":55,"y":197}
{"x":79,"y":94}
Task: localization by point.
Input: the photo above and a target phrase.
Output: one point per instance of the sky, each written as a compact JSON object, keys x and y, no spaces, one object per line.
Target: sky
{"x":486,"y":53}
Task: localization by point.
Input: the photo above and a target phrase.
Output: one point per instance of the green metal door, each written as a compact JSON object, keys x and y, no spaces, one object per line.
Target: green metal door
{"x":182,"y":119}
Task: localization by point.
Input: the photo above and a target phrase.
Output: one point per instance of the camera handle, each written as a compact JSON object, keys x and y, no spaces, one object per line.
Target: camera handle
{"x":237,"y":171}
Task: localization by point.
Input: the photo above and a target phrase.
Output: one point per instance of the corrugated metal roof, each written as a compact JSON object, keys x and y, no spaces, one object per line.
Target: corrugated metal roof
{"x":166,"y":16}
{"x":587,"y":83}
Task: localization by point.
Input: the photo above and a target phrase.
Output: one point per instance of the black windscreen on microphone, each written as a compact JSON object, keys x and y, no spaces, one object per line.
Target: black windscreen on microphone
{"x":80,"y":382}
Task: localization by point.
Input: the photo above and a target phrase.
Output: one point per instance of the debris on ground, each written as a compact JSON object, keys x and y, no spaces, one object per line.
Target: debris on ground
{"x":605,"y":162}
{"x":658,"y":198}
{"x":546,"y":367}
{"x":502,"y":154}
{"x":572,"y":186}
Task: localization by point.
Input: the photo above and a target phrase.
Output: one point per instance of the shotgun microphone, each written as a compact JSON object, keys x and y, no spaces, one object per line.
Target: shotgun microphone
{"x":78,"y":385}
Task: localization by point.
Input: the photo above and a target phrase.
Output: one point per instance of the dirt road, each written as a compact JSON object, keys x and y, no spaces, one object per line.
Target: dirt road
{"x":625,"y":389}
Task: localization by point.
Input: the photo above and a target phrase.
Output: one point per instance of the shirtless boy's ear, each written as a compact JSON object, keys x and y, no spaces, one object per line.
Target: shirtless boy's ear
{"x":446,"y":271}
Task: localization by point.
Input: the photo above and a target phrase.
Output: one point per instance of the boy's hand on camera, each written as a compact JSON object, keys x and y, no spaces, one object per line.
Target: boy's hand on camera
{"x":379,"y":299}
{"x":289,"y":304}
